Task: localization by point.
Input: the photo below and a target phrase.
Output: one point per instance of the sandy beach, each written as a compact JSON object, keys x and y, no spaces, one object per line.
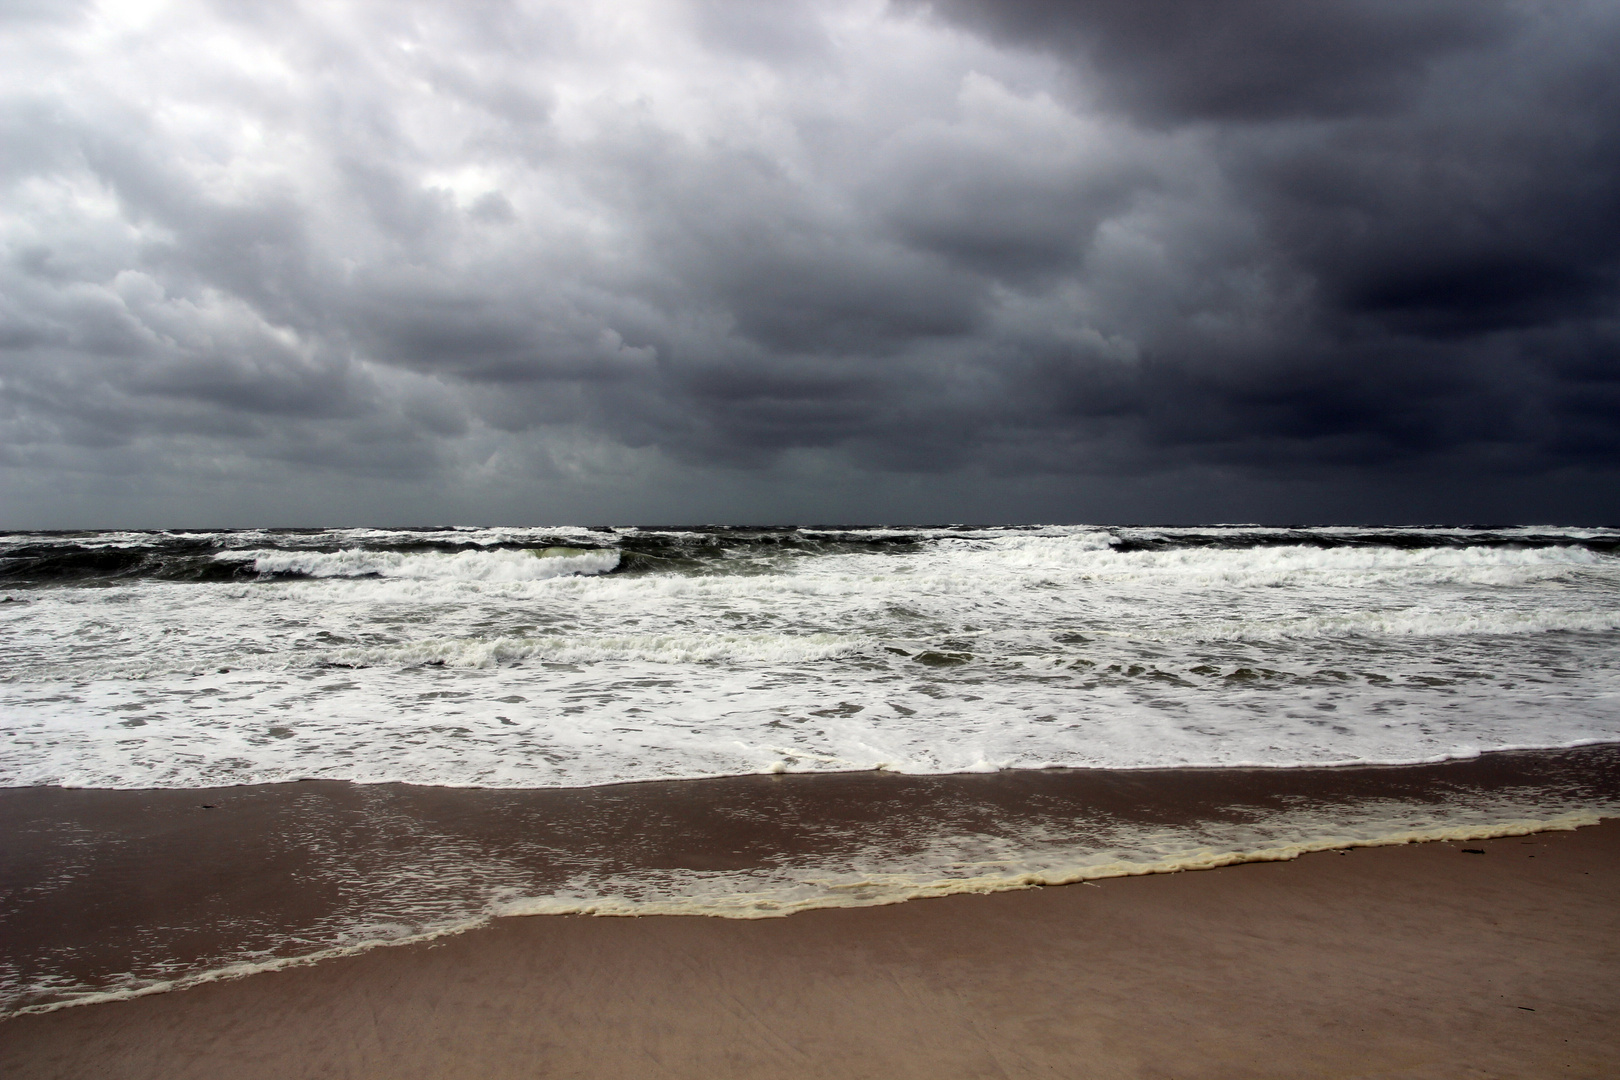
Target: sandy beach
{"x":1426,"y":960}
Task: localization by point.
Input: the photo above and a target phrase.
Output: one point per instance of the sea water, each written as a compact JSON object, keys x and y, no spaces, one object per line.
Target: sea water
{"x":570,"y":657}
{"x":567,"y":659}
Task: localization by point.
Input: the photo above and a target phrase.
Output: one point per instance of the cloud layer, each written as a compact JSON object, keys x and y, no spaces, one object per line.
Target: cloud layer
{"x":497,"y":259}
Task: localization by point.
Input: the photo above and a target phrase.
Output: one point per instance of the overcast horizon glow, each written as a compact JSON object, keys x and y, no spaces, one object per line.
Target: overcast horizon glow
{"x":832,"y":261}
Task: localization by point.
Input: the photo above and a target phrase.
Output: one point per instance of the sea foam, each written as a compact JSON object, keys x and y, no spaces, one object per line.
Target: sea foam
{"x":540,"y":658}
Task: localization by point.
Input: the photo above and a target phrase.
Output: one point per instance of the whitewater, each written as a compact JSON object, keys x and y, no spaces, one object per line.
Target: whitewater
{"x":228,"y":752}
{"x":572,"y":657}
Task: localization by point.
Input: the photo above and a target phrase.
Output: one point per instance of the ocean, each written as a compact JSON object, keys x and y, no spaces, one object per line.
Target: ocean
{"x":227,"y":751}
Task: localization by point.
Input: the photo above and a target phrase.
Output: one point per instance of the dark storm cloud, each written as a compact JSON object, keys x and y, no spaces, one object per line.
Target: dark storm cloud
{"x":1171,"y":61}
{"x":1329,"y":242}
{"x":1435,"y":189}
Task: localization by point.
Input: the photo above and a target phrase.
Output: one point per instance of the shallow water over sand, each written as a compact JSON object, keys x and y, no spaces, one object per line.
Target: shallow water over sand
{"x":119,"y":892}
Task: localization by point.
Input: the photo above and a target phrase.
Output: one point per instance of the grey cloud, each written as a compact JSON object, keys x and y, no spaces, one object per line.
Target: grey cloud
{"x":1053,"y":245}
{"x":1173,"y":61}
{"x":43,"y":11}
{"x":770,"y":33}
{"x":1438,"y":180}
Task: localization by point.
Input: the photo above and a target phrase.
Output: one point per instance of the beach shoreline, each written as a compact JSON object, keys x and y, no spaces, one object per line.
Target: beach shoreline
{"x":1425,"y":960}
{"x":110,"y":894}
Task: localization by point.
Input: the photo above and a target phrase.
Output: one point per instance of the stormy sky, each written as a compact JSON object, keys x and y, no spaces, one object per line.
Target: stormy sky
{"x":393,"y":261}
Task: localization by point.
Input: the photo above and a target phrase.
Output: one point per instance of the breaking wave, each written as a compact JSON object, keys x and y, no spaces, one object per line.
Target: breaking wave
{"x":532,"y":564}
{"x":571,"y":657}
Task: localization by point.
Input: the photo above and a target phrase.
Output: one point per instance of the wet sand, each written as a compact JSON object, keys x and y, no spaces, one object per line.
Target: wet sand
{"x":1415,"y":961}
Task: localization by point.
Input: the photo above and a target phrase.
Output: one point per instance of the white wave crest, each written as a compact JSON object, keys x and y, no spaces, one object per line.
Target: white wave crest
{"x":531,"y":564}
{"x":1094,"y":555}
